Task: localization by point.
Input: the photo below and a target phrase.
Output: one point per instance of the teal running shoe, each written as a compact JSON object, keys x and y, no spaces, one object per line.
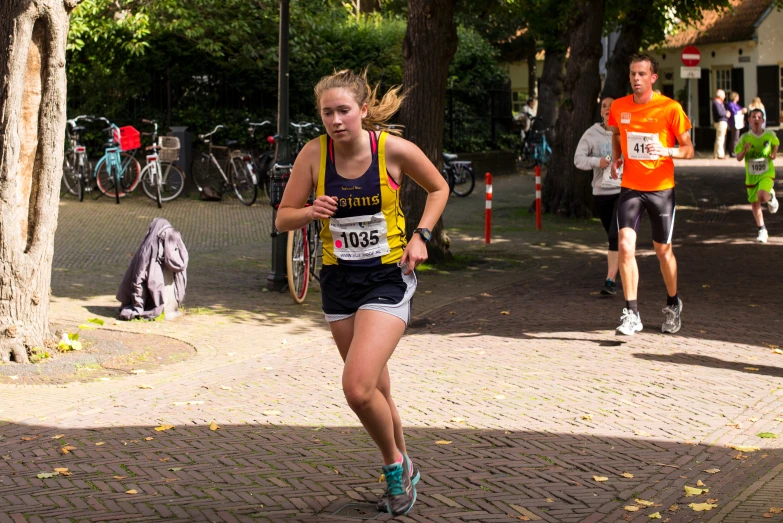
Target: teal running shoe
{"x":401,"y":493}
{"x":415,"y":476}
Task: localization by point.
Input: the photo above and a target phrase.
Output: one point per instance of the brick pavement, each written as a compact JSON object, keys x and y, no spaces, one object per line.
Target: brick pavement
{"x":534,"y":403}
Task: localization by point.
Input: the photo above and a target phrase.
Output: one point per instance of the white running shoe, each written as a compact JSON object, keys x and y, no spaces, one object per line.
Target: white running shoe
{"x":631,"y":323}
{"x":763,"y":236}
{"x":671,"y":322}
{"x":773,"y":204}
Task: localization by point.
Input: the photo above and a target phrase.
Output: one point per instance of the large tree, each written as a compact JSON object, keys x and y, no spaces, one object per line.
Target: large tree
{"x":32,"y":128}
{"x":429,"y":45}
{"x":566,"y":189}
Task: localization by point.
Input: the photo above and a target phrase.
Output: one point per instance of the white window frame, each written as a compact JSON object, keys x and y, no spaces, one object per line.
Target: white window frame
{"x":722,"y":79}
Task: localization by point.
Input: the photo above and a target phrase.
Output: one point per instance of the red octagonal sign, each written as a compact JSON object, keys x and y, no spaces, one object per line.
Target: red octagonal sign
{"x":691,"y":56}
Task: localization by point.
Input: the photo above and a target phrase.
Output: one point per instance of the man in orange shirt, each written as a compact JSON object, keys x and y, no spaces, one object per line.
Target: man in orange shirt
{"x":646,"y":125}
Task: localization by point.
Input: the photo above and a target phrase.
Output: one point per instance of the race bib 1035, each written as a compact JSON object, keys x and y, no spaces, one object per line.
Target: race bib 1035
{"x":360,"y":237}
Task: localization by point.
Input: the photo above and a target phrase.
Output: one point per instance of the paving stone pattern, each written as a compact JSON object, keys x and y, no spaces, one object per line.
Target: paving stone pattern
{"x":515,"y":395}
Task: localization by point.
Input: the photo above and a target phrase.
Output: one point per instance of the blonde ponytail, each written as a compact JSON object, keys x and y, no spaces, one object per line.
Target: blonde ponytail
{"x":379,"y":112}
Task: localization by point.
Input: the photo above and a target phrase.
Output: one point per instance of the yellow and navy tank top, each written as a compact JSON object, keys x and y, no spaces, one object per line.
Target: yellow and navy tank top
{"x":368,"y":229}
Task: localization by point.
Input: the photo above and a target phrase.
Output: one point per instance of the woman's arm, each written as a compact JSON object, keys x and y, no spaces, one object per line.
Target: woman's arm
{"x":292,"y":213}
{"x":405,"y":157}
{"x":582,"y":158}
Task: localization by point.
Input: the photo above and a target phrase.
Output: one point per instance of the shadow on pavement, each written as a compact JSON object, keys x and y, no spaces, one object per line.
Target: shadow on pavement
{"x":265,"y":471}
{"x":683,"y":358}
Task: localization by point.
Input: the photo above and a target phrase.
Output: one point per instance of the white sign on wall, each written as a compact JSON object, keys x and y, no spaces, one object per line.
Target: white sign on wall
{"x":690,"y":72}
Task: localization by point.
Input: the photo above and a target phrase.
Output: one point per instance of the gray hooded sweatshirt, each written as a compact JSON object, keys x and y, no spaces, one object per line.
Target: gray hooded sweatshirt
{"x":595,"y":144}
{"x":141,"y":290}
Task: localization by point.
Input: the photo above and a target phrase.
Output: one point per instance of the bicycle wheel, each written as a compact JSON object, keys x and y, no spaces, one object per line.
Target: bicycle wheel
{"x":246,"y":190}
{"x":149,"y":183}
{"x":448,"y":174}
{"x":172,"y":182}
{"x":205,"y":173}
{"x":315,"y":248}
{"x":464,"y":180}
{"x":528,"y":158}
{"x":298,"y":264}
{"x":70,"y":174}
{"x":128,"y":179}
{"x":546,"y":154}
{"x":81,"y":177}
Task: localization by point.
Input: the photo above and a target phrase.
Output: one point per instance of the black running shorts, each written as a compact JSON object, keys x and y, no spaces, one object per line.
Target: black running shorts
{"x":345,"y":290}
{"x":660,"y":207}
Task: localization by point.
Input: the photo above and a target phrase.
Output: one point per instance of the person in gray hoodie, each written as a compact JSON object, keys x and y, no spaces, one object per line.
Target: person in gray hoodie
{"x":594,"y":153}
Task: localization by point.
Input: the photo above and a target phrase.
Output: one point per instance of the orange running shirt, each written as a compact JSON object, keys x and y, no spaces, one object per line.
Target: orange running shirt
{"x":660,"y":119}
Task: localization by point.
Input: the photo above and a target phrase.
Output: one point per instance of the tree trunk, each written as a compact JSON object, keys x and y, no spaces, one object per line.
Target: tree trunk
{"x":532,"y":74}
{"x":32,"y":124}
{"x":429,"y":45}
{"x":629,"y":42}
{"x":551,"y":85}
{"x":566,"y":188}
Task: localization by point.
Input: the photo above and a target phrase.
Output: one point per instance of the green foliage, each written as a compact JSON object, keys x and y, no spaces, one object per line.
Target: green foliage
{"x":201,"y":63}
{"x":37,"y":355}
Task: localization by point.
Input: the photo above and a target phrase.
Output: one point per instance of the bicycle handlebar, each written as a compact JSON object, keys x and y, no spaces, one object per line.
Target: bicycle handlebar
{"x":254,"y":124}
{"x":202,"y":136}
{"x":303,"y":125}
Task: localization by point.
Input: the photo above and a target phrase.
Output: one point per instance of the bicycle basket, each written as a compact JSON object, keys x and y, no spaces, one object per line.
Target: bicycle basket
{"x":169,"y":149}
{"x":277,"y":182}
{"x":129,"y":138}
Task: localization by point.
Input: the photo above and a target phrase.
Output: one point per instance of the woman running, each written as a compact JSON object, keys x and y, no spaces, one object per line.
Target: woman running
{"x":367,"y":280}
{"x":594,"y":153}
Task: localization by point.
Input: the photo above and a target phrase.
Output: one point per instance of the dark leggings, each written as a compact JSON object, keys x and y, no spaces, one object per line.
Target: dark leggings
{"x":606,"y":209}
{"x":734,"y":135}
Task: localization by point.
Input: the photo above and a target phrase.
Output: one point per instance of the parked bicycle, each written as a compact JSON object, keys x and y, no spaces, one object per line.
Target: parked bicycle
{"x":161,"y":180}
{"x":534,"y":149}
{"x":304,"y":249}
{"x":118,"y":172}
{"x":236,"y":171}
{"x":459,"y":174}
{"x":261,"y":163}
{"x":76,"y":164}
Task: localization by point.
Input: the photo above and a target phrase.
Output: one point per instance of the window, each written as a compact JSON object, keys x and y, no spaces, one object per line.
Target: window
{"x":518,"y":100}
{"x":723,"y":80}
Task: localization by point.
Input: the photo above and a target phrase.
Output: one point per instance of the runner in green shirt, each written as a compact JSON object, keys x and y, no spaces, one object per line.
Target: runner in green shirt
{"x":758,"y":148}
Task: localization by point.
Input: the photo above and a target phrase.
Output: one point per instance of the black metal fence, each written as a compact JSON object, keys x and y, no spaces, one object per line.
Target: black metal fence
{"x":479,"y":120}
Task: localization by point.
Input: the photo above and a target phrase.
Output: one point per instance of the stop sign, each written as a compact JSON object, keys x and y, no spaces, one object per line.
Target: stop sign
{"x":691,"y":56}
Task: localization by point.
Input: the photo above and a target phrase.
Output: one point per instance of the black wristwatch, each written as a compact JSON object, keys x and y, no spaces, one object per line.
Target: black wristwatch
{"x":425,"y":234}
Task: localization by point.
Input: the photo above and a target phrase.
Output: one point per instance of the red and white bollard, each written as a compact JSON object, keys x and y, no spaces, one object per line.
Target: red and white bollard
{"x":538,"y":197}
{"x":488,"y":220}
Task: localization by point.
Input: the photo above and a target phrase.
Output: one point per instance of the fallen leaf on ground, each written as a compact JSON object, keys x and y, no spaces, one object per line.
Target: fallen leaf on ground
{"x":164,"y":427}
{"x":131,"y":491}
{"x":505,"y":313}
{"x":587,"y":417}
{"x":777,"y":351}
{"x":734,"y":425}
{"x":61,"y":469}
{"x":225,"y":387}
{"x":600,"y":478}
{"x":674,"y":508}
{"x":712,"y":471}
{"x":46,"y":475}
{"x":550,"y":500}
{"x":427,"y":292}
{"x":178,"y":403}
{"x":691,"y":491}
{"x":87,"y":327}
{"x":643,"y":502}
{"x":443,"y":442}
{"x":700,"y":483}
{"x":120,"y":477}
{"x":149,"y":438}
{"x":31,"y":438}
{"x":744,"y":448}
{"x":776,"y":510}
{"x":631,"y":508}
{"x":702,"y":507}
{"x":271,"y":412}
{"x":767,"y":435}
{"x":626,"y":475}
{"x":99,"y":443}
{"x":754,"y":369}
{"x":753,"y":419}
{"x":712,"y":500}
{"x":777,"y":419}
{"x":67,"y":448}
{"x":213,"y":426}
{"x":138,"y":371}
{"x":164,"y":460}
{"x":545,"y":266}
{"x":58,"y":436}
{"x":96,"y":321}
{"x":641,"y":433}
{"x":500,"y":397}
{"x":145,"y":386}
{"x":457,"y":420}
{"x":175,"y":469}
{"x":655,"y":515}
